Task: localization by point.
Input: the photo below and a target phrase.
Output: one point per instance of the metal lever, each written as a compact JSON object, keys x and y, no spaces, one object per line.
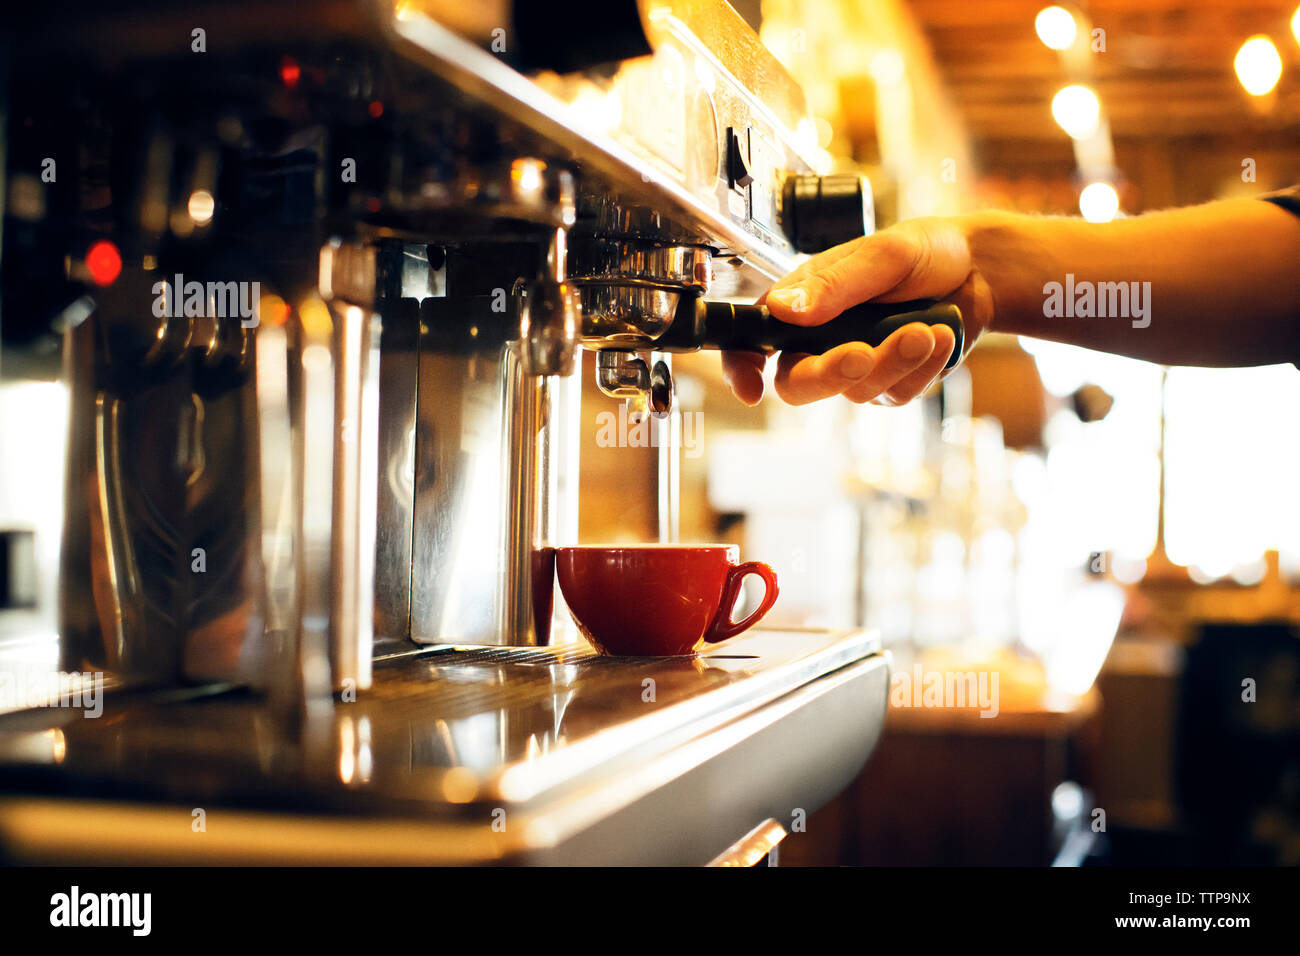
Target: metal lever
{"x":549,"y":316}
{"x":548,"y":324}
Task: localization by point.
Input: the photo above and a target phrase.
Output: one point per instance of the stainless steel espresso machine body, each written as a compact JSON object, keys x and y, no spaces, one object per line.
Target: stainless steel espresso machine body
{"x":313,"y":279}
{"x":321,"y":289}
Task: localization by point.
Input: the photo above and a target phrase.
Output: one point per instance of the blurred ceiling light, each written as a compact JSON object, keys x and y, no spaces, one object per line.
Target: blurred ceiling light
{"x":1099,"y":202}
{"x":1056,"y":27}
{"x":1258,"y":65}
{"x":1077,"y":110}
{"x":1295,"y":24}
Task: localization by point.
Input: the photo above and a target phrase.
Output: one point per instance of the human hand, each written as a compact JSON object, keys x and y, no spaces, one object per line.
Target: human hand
{"x":915,"y":259}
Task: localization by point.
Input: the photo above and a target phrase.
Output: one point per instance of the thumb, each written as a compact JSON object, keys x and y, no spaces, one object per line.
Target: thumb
{"x":913,"y":259}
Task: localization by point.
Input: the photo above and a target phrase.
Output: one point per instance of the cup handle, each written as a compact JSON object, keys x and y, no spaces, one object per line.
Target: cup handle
{"x":723,"y":626}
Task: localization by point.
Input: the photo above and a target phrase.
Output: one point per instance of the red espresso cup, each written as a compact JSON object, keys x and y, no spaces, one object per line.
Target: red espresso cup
{"x":653,"y":600}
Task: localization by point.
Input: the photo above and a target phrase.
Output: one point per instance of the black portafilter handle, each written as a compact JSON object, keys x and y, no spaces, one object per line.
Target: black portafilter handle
{"x":701,"y":324}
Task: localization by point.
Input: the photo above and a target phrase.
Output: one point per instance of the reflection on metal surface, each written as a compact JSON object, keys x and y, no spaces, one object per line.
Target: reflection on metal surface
{"x":521,"y":720}
{"x":284,"y":669}
{"x":754,"y":847}
{"x":54,"y":831}
{"x":312,"y":400}
{"x":568,"y":748}
{"x":669,"y":488}
{"x":161,"y":532}
{"x":117,"y":566}
{"x":355,"y":757}
{"x":395,"y":491}
{"x":487,"y":501}
{"x":548,"y":324}
{"x":352,"y":524}
{"x":549,"y":314}
{"x":625,"y":313}
{"x":623,"y":375}
{"x":34,"y":747}
{"x":641,"y":255}
{"x":630,"y":287}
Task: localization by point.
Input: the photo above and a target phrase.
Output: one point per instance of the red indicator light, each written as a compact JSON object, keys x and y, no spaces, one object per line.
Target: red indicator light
{"x":290,"y":72}
{"x":104,"y":262}
{"x":376,"y":109}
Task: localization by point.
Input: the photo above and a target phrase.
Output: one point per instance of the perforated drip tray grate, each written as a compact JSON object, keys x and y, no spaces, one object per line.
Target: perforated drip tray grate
{"x":536,"y":656}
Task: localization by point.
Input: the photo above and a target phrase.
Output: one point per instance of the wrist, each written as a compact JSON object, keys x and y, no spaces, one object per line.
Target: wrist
{"x":1006,"y":258}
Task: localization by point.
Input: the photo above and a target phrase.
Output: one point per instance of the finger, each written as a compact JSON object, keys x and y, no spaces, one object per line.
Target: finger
{"x":918,"y":258}
{"x":915,"y":383}
{"x":743,"y":371}
{"x":816,"y":263}
{"x":943,"y":262}
{"x":874,"y":266}
{"x":802,"y":378}
{"x":903,"y":353}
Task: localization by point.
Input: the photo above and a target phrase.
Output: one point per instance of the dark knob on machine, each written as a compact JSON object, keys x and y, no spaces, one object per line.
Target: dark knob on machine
{"x":818,"y":212}
{"x":17,"y":569}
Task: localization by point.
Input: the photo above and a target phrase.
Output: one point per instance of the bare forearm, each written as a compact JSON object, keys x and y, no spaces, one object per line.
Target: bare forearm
{"x":1211,"y":285}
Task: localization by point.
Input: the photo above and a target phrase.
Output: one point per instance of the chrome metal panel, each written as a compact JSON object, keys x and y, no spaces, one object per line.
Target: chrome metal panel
{"x":458,"y":496}
{"x":756,"y":845}
{"x":485,"y":474}
{"x":162,"y":542}
{"x":395,"y":504}
{"x":488,"y":475}
{"x":312,"y":385}
{"x":586,"y":767}
{"x":795,"y":754}
{"x":352,"y":525}
{"x":280,"y":494}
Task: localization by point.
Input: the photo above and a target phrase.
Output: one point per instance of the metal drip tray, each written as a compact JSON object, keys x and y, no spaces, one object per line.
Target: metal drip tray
{"x":546,"y":755}
{"x":537,"y":657}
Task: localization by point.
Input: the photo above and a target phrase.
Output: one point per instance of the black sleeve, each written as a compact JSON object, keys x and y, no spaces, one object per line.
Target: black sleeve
{"x":1288,"y":199}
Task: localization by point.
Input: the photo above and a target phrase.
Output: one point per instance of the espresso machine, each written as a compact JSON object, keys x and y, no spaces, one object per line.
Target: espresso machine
{"x":318,"y":276}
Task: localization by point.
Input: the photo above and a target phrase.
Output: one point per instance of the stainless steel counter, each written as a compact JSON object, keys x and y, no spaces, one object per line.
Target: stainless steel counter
{"x":457,"y":755}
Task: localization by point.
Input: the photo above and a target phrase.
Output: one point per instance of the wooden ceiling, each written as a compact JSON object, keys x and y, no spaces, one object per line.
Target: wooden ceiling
{"x":1166,"y":77}
{"x":1167,"y":66}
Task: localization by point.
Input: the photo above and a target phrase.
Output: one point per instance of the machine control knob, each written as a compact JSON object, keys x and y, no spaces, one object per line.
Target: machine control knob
{"x":818,"y":212}
{"x":17,"y":569}
{"x":738,"y":174}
